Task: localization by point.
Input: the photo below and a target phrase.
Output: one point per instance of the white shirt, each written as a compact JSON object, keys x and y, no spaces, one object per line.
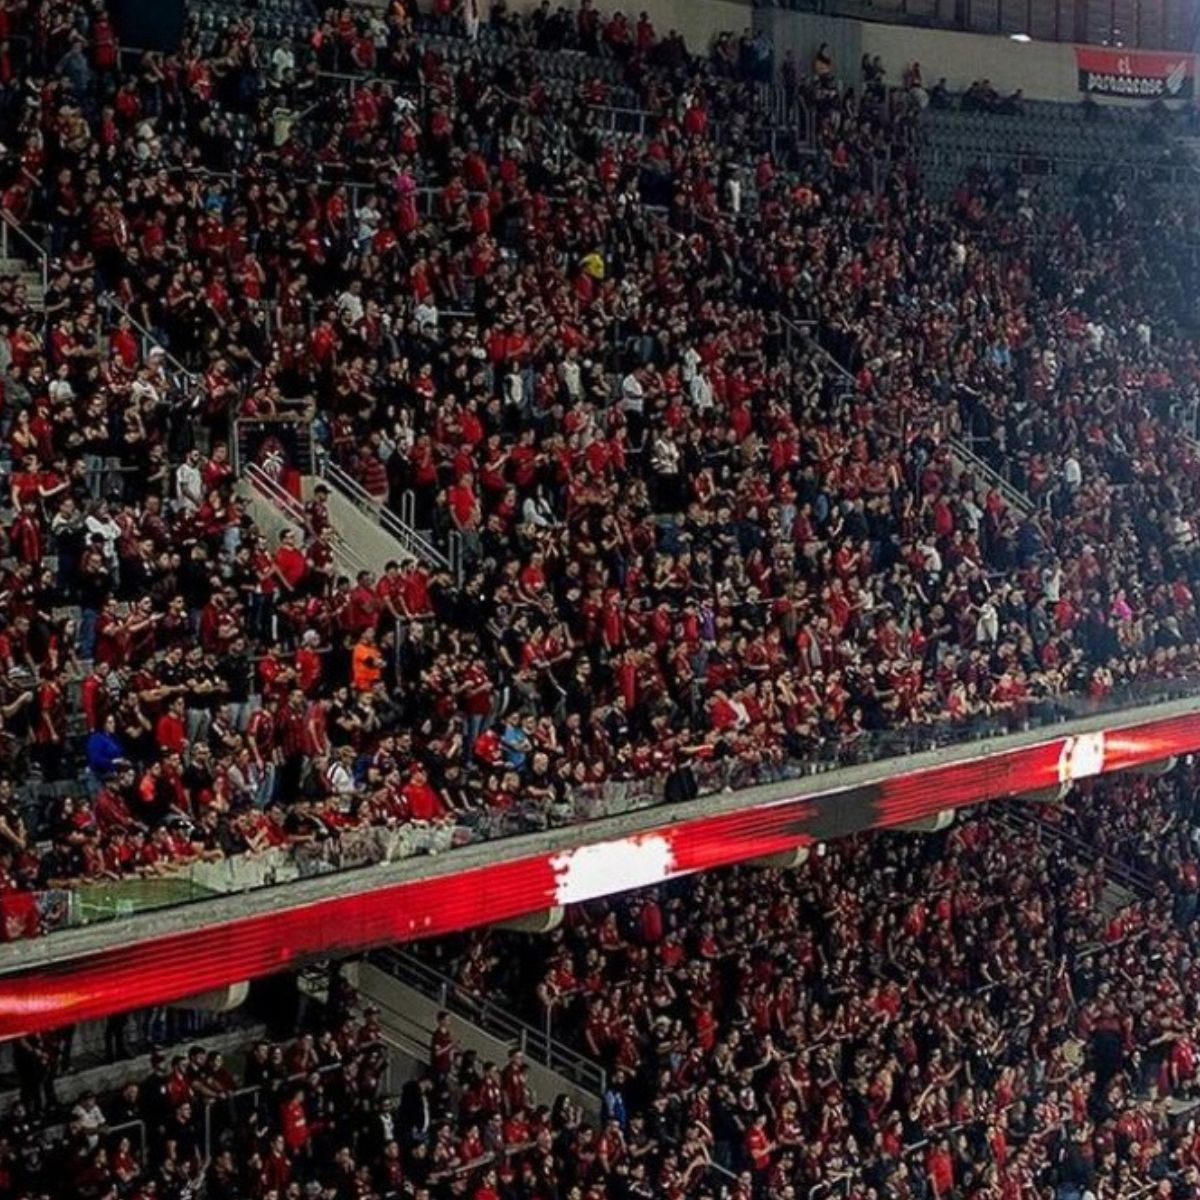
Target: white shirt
{"x":514,"y":389}
{"x":368,"y":223}
{"x":572,"y":378}
{"x":987,"y":626}
{"x":350,"y":307}
{"x":188,"y":484}
{"x":537,"y":513}
{"x":664,"y":457}
{"x":144,"y":389}
{"x":733,"y":190}
{"x":633,"y":395}
{"x":340,"y":781}
{"x":1072,"y":471}
{"x":89,"y":1116}
{"x":109,"y":530}
{"x":426,"y":313}
{"x":701,"y":393}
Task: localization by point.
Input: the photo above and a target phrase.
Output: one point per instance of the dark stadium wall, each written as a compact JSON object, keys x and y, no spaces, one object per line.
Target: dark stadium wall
{"x":1042,"y":69}
{"x":803,"y":34}
{"x":149,"y":24}
{"x":696,"y":20}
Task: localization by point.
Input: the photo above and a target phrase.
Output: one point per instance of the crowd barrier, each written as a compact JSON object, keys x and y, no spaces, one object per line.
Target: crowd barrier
{"x":29,"y":914}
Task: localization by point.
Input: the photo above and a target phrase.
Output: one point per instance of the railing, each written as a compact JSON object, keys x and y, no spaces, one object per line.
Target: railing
{"x":40,"y":912}
{"x":454,"y":545}
{"x":235,"y":1101}
{"x":828,"y":1189}
{"x":183,"y":381}
{"x":404,"y":534}
{"x":271,"y":490}
{"x":130,"y":1127}
{"x":722,"y":1182}
{"x":11,"y":231}
{"x":109,"y":1134}
{"x":149,"y":341}
{"x":796,"y":335}
{"x":1147,"y":173}
{"x":536,"y":1044}
{"x":1013,"y":496}
{"x":1120,"y":872}
{"x":219,"y":1113}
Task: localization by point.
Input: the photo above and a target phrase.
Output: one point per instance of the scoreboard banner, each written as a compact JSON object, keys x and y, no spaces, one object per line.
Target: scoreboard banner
{"x":1135,"y":74}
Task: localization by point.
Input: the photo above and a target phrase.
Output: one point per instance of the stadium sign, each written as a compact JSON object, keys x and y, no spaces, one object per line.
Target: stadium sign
{"x":1135,"y":75}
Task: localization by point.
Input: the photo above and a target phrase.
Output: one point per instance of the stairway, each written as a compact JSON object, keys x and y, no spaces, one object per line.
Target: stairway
{"x":1123,"y":886}
{"x":274,"y":510}
{"x":801,"y":339}
{"x":377,"y":533}
{"x":410,"y":995}
{"x":29,"y":275}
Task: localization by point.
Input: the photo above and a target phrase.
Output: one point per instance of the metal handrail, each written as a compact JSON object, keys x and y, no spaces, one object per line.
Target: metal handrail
{"x":1013,"y":495}
{"x":1147,"y":171}
{"x":291,"y":508}
{"x":1015,"y":498}
{"x":9,"y":222}
{"x":109,"y":301}
{"x":1119,"y":872}
{"x":535,"y":1043}
{"x":238,"y":1094}
{"x":804,"y":334}
{"x":404,"y":534}
{"x":106,"y":1132}
{"x":279,"y":496}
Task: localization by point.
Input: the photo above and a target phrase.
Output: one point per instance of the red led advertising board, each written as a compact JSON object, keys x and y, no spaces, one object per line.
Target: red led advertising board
{"x":208,"y":956}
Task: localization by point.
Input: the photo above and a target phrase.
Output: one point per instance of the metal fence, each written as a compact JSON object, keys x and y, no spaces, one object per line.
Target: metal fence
{"x":538,"y":1045}
{"x":17,"y":242}
{"x":402,"y":531}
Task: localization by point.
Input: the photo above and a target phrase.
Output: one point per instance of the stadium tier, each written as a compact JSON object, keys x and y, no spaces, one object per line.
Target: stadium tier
{"x":464,"y":461}
{"x":599,"y":604}
{"x":1003,"y":1009}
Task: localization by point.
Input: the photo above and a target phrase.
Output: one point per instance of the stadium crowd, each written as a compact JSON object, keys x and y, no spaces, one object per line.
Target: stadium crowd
{"x":688,"y":535}
{"x":984,"y":1013}
{"x":988,"y":1013}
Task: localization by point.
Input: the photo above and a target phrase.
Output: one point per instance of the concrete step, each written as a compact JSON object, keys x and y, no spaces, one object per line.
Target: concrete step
{"x":91,"y":1072}
{"x":1115,"y":897}
{"x":409,"y":1017}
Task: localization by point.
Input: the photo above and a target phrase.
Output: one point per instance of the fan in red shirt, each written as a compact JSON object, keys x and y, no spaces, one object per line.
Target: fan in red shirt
{"x":293,"y":1122}
{"x":420,"y":798}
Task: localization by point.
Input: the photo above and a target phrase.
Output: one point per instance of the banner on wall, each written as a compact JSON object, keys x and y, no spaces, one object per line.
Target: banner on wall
{"x":1138,"y":75}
